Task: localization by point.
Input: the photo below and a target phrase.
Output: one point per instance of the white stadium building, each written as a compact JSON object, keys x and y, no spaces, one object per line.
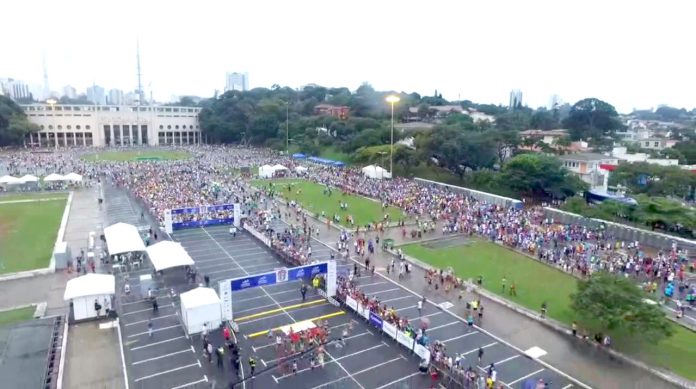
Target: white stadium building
{"x":66,"y":125}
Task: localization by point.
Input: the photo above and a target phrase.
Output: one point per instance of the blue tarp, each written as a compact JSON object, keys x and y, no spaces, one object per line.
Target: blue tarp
{"x":299,"y":156}
{"x":325,"y":161}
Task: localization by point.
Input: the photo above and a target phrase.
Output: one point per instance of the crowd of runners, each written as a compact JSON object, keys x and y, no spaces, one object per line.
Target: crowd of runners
{"x":211,"y":176}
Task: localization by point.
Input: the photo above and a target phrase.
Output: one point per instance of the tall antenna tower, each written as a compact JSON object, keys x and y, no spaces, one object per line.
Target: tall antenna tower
{"x":47,"y":90}
{"x":141,"y":95}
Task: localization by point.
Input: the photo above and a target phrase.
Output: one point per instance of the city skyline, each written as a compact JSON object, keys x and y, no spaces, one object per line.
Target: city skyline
{"x":628,"y":57}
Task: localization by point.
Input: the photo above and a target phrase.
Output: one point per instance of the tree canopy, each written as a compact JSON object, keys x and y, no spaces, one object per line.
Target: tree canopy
{"x":616,"y":306}
{"x":539,"y":175}
{"x":13,"y":123}
{"x":592,"y":119}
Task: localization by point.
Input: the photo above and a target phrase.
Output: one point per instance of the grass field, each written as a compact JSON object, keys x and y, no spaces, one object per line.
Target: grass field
{"x":28,"y":233}
{"x":33,"y":196}
{"x":313,"y":199}
{"x":537,"y":283}
{"x":18,"y":315}
{"x":134,"y":155}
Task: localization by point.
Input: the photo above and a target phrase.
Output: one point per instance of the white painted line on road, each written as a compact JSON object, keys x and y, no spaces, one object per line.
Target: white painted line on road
{"x":399,"y":380}
{"x":157,"y":343}
{"x":382,"y":291}
{"x":123,"y":355}
{"x":255,"y":349}
{"x":525,"y":377}
{"x":421,"y":317}
{"x":332,"y":361}
{"x":459,"y":337}
{"x":157,"y":330}
{"x":142,"y":310}
{"x":166,"y":372}
{"x":190,"y":384}
{"x":442,"y":326}
{"x":477,"y":348}
{"x":264,"y":296}
{"x":146,"y":320}
{"x":160,"y":357}
{"x":396,"y":299}
{"x":567,"y":386}
{"x":162,"y":297}
{"x":356,"y":373}
{"x":507,"y":359}
{"x":374,"y":283}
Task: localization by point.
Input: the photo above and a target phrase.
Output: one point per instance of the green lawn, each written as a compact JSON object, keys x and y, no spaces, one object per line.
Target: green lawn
{"x":28,"y":233}
{"x":18,"y":315}
{"x":32,"y":196}
{"x":537,"y":283}
{"x":313,"y":199}
{"x":134,"y":155}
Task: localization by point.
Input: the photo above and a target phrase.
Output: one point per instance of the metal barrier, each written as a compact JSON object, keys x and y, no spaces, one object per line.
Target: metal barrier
{"x":477,"y":194}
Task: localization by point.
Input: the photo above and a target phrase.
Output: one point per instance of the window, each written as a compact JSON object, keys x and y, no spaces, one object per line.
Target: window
{"x":191,"y":127}
{"x":657,"y":144}
{"x":169,"y":127}
{"x":50,"y":126}
{"x":77,"y":126}
{"x":161,"y":127}
{"x":176,"y":127}
{"x":60,"y":127}
{"x":42,"y":126}
{"x":87,"y":127}
{"x":69,"y":127}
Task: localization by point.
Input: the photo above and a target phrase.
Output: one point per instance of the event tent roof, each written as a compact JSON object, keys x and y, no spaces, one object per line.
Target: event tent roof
{"x":29,"y":178}
{"x":90,"y":285}
{"x":299,"y":156}
{"x":10,"y":180}
{"x":73,"y":177}
{"x":374,"y":171}
{"x":167,"y":254}
{"x":199,"y":297}
{"x":279,"y":167}
{"x":54,"y":177}
{"x":123,"y":238}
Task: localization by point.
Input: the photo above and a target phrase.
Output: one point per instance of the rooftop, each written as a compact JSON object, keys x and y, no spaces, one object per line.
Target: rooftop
{"x":585,"y":157}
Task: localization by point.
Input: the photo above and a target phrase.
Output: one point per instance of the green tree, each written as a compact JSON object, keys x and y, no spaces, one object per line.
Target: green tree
{"x":544,"y":120}
{"x":592,"y":119}
{"x":539,"y":175}
{"x":14,"y":125}
{"x":615,"y":306}
{"x":688,"y":149}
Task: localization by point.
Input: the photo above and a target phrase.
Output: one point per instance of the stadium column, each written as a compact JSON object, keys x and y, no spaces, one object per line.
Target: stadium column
{"x":112,"y":141}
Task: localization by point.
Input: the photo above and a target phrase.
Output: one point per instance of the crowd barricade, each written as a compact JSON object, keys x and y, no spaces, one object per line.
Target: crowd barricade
{"x":389,"y":329}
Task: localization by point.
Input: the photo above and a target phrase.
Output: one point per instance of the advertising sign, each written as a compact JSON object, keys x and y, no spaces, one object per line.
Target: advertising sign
{"x":247,"y":282}
{"x":389,"y":329}
{"x":209,"y":215}
{"x":375,"y":320}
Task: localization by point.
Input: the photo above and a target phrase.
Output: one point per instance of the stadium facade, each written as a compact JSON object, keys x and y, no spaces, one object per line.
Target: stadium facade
{"x":70,"y":125}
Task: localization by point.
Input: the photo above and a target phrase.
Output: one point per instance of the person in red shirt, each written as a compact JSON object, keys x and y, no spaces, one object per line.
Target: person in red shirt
{"x":226,"y":333}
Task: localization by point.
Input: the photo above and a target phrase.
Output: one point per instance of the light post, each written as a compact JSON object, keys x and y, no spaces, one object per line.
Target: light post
{"x":52,"y":102}
{"x":392,"y":99}
{"x":287,"y":127}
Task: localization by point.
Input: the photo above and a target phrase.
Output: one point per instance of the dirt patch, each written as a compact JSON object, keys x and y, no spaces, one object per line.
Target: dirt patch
{"x":448,"y":242}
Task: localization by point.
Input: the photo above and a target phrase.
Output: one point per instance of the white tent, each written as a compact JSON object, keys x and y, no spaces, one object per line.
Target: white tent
{"x":29,"y":178}
{"x":167,"y":254}
{"x":199,"y":307}
{"x":374,"y":171}
{"x":84,"y":291}
{"x":10,"y":180}
{"x":266,"y":171}
{"x":54,"y":177}
{"x":123,"y":238}
{"x":300,"y":169}
{"x":279,"y":167}
{"x":74,"y":177}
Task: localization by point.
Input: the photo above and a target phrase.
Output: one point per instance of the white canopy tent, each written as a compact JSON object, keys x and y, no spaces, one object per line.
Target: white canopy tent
{"x":167,"y":254}
{"x":200,"y":308}
{"x":29,"y":178}
{"x":87,"y":290}
{"x":374,"y":171}
{"x":54,"y":177}
{"x":266,"y":171}
{"x":123,"y":238}
{"x":10,"y":180}
{"x":279,"y":167}
{"x":300,"y":169}
{"x":74,"y":177}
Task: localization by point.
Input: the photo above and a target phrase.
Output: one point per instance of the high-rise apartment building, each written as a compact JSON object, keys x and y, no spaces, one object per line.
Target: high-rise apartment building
{"x":515,"y":99}
{"x":96,"y":95}
{"x":69,"y":92}
{"x":116,"y":97}
{"x":236,"y":81}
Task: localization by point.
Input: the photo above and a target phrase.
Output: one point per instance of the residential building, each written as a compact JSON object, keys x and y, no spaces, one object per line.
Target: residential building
{"x":622,"y":154}
{"x":549,"y":137}
{"x":515,"y":99}
{"x":96,"y":95}
{"x":339,"y":111}
{"x":69,"y":92}
{"x":15,"y":89}
{"x":115,"y":97}
{"x":657,"y":143}
{"x":587,"y":166}
{"x":236,"y":81}
{"x":64,"y":125}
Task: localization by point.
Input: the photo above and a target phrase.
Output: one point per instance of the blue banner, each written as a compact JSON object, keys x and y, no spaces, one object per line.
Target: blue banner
{"x":206,"y":216}
{"x":253,"y":281}
{"x":375,"y":320}
{"x":307,"y":272}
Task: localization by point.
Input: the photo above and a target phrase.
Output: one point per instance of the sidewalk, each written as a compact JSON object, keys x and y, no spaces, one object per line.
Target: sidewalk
{"x":572,"y":356}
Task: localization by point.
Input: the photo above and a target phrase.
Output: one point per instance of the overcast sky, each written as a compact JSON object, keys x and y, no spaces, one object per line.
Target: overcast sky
{"x":630,"y":53}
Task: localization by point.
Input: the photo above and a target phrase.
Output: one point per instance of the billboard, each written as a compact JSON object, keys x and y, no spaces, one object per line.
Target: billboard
{"x":208,"y":215}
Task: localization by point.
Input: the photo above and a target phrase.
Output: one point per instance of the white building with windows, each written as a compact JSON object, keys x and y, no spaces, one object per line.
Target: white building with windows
{"x":63,"y":125}
{"x":237,"y":81}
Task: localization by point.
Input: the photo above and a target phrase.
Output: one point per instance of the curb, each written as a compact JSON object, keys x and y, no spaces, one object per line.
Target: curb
{"x":557,"y":326}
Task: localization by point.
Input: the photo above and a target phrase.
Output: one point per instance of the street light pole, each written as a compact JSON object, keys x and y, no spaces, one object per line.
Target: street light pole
{"x":287,"y":128}
{"x":392,"y":100}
